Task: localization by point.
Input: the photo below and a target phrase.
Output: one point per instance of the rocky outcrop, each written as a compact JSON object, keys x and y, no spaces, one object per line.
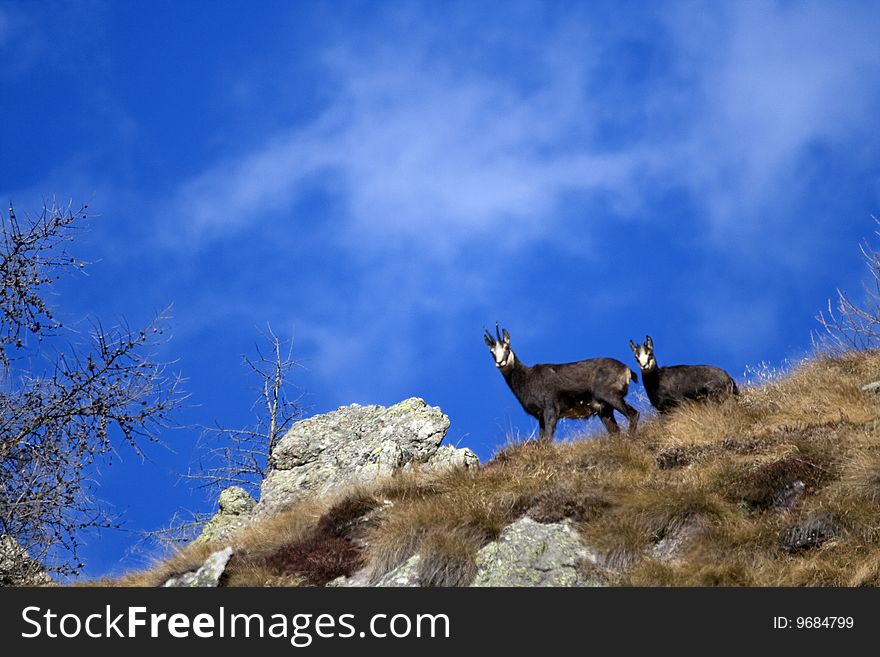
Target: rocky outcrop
{"x":208,"y":575}
{"x":445,"y":458}
{"x":236,"y":506}
{"x":357,"y":445}
{"x":529,"y":553}
{"x":406,"y":575}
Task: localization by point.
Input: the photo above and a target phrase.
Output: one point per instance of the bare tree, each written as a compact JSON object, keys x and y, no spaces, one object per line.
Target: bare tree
{"x":849,"y":324}
{"x":70,"y":412}
{"x":33,"y":256}
{"x":243,"y":456}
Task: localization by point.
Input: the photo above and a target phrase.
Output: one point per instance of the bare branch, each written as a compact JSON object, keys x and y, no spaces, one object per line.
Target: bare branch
{"x":242,"y":456}
{"x":54,"y":424}
{"x":33,"y":255}
{"x":849,"y":325}
{"x":183,"y":527}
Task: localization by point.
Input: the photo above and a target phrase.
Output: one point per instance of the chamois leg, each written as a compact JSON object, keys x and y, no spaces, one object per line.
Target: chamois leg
{"x":632,"y":415}
{"x":607,"y":417}
{"x":632,"y":418}
{"x":548,"y":426}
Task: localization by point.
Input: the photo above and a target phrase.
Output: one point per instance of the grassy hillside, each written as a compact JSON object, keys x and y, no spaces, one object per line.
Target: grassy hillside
{"x":780,"y":486}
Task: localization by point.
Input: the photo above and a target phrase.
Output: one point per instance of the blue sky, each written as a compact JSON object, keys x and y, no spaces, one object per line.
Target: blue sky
{"x":378,"y":180}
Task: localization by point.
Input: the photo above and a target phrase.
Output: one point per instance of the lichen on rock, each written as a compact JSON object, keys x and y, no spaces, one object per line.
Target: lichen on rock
{"x":208,"y":575}
{"x":356,"y":445}
{"x":236,"y":506}
{"x":404,"y":575}
{"x":529,"y":553}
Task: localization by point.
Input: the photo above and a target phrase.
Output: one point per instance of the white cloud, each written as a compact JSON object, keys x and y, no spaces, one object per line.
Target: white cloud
{"x":426,"y":149}
{"x":429,"y":152}
{"x":423,"y":154}
{"x":446,"y":171}
{"x":777,"y":80}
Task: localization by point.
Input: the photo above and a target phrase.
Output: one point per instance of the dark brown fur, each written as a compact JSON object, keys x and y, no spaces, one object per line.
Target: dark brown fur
{"x":667,"y":387}
{"x":548,"y":392}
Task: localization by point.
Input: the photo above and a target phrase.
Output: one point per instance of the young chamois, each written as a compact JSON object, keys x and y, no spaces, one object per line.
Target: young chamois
{"x":596,"y":386}
{"x":667,"y":387}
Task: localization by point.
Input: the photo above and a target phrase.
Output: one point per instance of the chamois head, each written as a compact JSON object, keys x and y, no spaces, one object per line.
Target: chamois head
{"x":499,"y":345}
{"x":644,"y":354}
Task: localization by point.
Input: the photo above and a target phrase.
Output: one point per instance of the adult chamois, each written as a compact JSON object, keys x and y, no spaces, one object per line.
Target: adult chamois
{"x":596,"y":386}
{"x":668,"y":386}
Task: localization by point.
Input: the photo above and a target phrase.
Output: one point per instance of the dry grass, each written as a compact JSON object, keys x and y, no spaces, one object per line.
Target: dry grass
{"x":257,"y":539}
{"x":779,"y":487}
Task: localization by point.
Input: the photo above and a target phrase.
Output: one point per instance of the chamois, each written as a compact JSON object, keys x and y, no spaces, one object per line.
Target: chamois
{"x":596,"y":386}
{"x":668,"y":386}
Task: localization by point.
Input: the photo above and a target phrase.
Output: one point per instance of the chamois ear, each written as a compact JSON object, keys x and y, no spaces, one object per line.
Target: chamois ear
{"x":632,"y":345}
{"x":489,"y":342}
{"x":649,"y":342}
{"x":506,"y":337}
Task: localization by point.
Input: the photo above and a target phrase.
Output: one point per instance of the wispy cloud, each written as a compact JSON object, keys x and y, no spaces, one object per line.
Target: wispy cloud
{"x":450,"y":150}
{"x":60,"y":33}
{"x":427,"y":150}
{"x":779,"y":79}
{"x":423,"y":154}
{"x":379,"y":180}
{"x":424,"y":148}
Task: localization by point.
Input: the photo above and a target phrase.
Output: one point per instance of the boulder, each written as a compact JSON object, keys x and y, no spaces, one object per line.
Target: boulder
{"x":811,"y":531}
{"x":788,"y":496}
{"x":207,"y":576}
{"x":675,"y":542}
{"x":448,"y":457}
{"x":357,"y":445}
{"x":236,"y":507}
{"x":405,"y":575}
{"x":529,"y":553}
{"x":357,"y":579}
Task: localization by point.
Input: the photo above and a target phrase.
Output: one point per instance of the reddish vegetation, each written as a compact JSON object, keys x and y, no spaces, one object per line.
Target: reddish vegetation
{"x":330,"y":550}
{"x":318,"y":558}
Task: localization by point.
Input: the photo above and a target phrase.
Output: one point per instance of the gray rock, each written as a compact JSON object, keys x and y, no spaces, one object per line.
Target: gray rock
{"x":529,"y":553}
{"x":236,"y":507}
{"x":208,"y":575}
{"x":356,"y":445}
{"x":874,"y":386}
{"x":236,"y":501}
{"x":673,"y":544}
{"x":788,"y":496}
{"x":358,"y":579}
{"x":448,"y":457}
{"x":811,"y":531}
{"x":405,"y":575}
